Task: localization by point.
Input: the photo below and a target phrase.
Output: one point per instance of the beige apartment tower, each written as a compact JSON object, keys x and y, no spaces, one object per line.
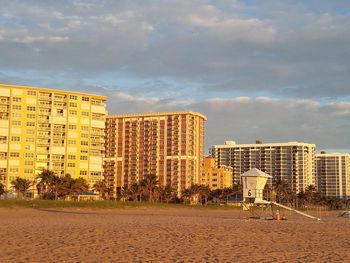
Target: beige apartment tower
{"x":333,"y":174}
{"x":293,"y":162}
{"x":167,"y":144}
{"x":50,"y":129}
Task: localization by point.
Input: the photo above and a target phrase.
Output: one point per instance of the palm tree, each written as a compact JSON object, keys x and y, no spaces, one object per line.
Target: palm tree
{"x":226,"y":193}
{"x":283,"y":191}
{"x":150,"y":184}
{"x":135,"y":191}
{"x":205,"y":192}
{"x":186,"y":195}
{"x":44,"y":181}
{"x":79,"y":185}
{"x":168,"y":193}
{"x":21,"y":186}
{"x":2,"y":189}
{"x":122,"y":193}
{"x":311,"y":194}
{"x":100,"y":187}
{"x":55,"y":185}
{"x":195,"y":193}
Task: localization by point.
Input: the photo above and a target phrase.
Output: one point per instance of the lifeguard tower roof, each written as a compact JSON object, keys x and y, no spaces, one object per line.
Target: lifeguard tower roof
{"x":255,"y":172}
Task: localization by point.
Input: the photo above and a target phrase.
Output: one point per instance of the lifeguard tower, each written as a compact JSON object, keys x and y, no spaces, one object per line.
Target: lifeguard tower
{"x":254,"y":182}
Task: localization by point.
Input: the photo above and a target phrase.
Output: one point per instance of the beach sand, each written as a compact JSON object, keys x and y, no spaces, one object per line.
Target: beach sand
{"x":168,"y":235}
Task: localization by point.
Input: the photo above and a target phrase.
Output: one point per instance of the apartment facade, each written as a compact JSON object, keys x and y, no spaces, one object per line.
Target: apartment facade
{"x":333,"y":174}
{"x":214,"y":177}
{"x":50,"y":129}
{"x":167,"y":144}
{"x":293,"y":162}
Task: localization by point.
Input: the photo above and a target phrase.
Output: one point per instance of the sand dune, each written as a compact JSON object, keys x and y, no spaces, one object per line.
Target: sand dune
{"x":168,"y":235}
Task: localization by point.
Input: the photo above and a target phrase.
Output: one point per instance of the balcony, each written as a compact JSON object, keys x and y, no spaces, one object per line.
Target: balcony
{"x":57,"y":105}
{"x":43,"y":119}
{"x":60,"y":98}
{"x":42,"y":160}
{"x":4,"y":116}
{"x":58,"y":144}
{"x":4,"y":101}
{"x":97,"y":147}
{"x":45,"y":105}
{"x":4,"y":108}
{"x":43,"y":142}
{"x":59,"y":130}
{"x":97,"y":140}
{"x":42,"y":151}
{"x":43,"y":96}
{"x":59,"y":136}
{"x":44,"y":128}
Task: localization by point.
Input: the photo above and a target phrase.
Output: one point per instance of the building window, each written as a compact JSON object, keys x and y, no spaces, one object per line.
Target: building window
{"x":72,"y":142}
{"x":28,"y":171}
{"x":73,"y":97}
{"x":28,"y":163}
{"x":31,"y":93}
{"x":29,"y":155}
{"x":84,"y":128}
{"x":15,"y":139}
{"x":30,"y":108}
{"x":83,"y":172}
{"x":72,"y":112}
{"x":16,"y":115}
{"x":72,"y":127}
{"x":84,"y":143}
{"x":31,"y":116}
{"x":73,"y":104}
{"x":83,"y":158}
{"x":71,"y":164}
{"x":28,"y":139}
{"x":13,"y":170}
{"x":16,"y":123}
{"x":85,"y":98}
{"x":30,"y":131}
{"x":16,"y":99}
{"x":16,"y":107}
{"x":71,"y":157}
{"x":30,"y":124}
{"x":14,"y":154}
{"x":85,"y":113}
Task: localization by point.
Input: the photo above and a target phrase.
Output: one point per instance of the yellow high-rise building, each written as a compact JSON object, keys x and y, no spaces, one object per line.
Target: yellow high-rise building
{"x":167,"y":144}
{"x":214,"y":177}
{"x":50,"y":129}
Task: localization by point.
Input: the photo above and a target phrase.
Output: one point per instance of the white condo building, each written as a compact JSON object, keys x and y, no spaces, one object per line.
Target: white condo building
{"x":333,"y":174}
{"x":293,"y":162}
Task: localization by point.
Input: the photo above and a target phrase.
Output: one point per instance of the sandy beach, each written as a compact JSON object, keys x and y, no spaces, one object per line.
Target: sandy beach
{"x":168,"y":235}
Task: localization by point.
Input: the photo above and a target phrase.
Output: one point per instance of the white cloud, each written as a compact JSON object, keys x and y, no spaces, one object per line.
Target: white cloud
{"x":245,"y":119}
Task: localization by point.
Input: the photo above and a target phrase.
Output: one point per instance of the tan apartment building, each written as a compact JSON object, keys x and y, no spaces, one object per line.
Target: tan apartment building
{"x":333,"y":174}
{"x":50,"y":129}
{"x":214,"y":177}
{"x":167,"y":144}
{"x":293,"y":162}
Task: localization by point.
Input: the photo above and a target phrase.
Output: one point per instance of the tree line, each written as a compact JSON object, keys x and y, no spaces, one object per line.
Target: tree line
{"x":51,"y":186}
{"x":282,"y":193}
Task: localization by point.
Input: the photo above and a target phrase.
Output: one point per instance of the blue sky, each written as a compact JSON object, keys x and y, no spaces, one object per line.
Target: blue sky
{"x":270,"y":70}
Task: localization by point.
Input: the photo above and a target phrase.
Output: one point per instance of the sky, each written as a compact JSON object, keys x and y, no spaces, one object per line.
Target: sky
{"x":271,"y":70}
